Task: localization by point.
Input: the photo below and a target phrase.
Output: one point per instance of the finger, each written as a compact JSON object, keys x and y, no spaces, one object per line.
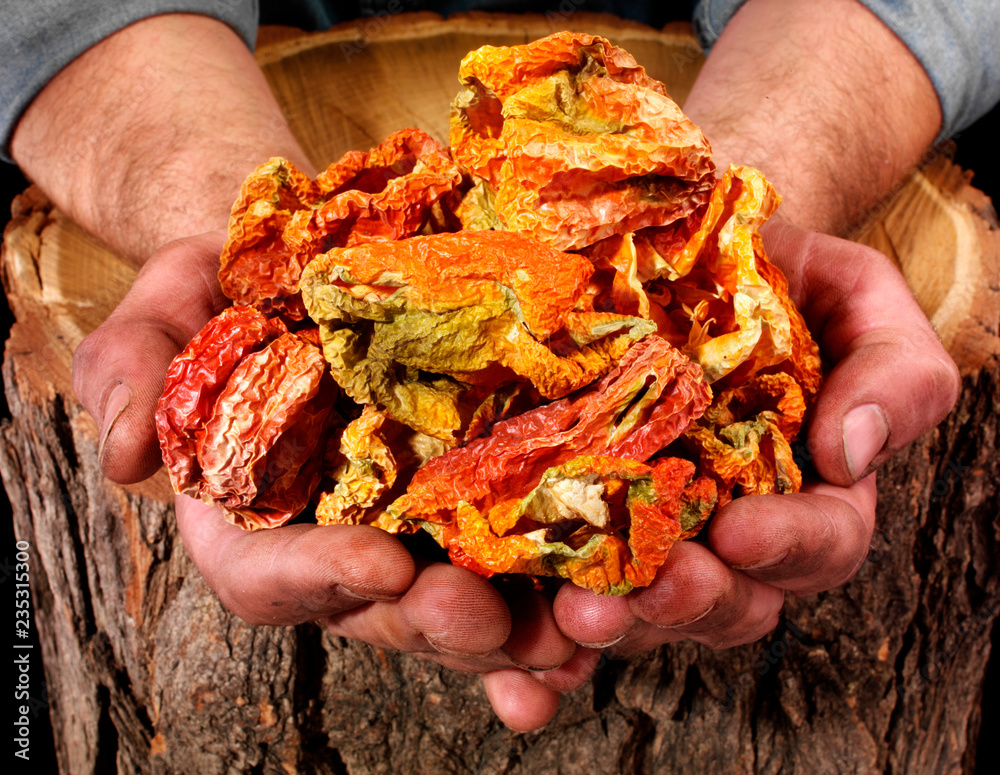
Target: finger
{"x":572,"y":674}
{"x":118,"y":370}
{"x":535,"y":644}
{"x":594,"y":621}
{"x":535,"y":641}
{"x":696,"y":595}
{"x":447,"y":609}
{"x":519,"y":701}
{"x":295,"y":573}
{"x":892,"y":381}
{"x":805,"y":543}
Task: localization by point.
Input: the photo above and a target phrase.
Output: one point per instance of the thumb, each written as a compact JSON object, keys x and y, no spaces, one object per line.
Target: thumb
{"x":891,"y":379}
{"x":118,"y":370}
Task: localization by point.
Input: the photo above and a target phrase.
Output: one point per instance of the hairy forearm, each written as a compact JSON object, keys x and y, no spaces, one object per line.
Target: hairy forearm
{"x":822,"y":97}
{"x":147,"y":136}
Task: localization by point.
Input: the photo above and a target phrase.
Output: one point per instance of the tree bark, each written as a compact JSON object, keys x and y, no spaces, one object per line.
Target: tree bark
{"x":147,"y":672}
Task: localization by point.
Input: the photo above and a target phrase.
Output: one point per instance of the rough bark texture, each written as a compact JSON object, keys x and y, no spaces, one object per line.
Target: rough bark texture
{"x":147,"y":672}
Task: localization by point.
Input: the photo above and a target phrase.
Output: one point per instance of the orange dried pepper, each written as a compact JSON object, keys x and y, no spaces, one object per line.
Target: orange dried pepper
{"x":428,"y":327}
{"x":743,"y":438}
{"x":374,"y":456}
{"x":454,"y":342}
{"x":711,"y":289}
{"x":243,"y":415}
{"x":713,"y":293}
{"x":364,"y":469}
{"x":542,"y":494}
{"x":604,"y":523}
{"x":570,"y":141}
{"x":282,"y":219}
{"x":641,"y":406}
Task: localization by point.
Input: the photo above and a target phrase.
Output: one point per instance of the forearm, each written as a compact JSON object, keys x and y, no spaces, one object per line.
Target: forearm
{"x":147,"y":136}
{"x":823,"y":98}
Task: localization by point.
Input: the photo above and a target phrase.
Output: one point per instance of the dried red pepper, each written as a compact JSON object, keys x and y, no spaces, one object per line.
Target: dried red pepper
{"x":639,"y":408}
{"x":604,"y":523}
{"x":374,"y":457}
{"x":243,"y":416}
{"x":710,"y":288}
{"x":743,"y":439}
{"x":453,"y":343}
{"x":646,"y":402}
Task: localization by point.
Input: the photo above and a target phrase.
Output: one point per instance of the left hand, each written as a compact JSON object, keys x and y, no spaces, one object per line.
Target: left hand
{"x":891,"y":381}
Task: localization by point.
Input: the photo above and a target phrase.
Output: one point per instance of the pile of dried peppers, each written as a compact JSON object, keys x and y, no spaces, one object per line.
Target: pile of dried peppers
{"x":556,"y":345}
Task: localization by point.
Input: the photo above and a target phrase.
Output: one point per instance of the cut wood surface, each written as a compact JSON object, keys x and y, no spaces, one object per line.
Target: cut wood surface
{"x":147,"y":672}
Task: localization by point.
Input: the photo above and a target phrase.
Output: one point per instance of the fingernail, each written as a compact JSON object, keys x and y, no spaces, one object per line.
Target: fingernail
{"x":762,"y":564}
{"x":454,"y":653}
{"x":602,"y":645}
{"x":117,"y":403}
{"x":692,"y":620}
{"x":340,"y":589}
{"x":865,"y":430}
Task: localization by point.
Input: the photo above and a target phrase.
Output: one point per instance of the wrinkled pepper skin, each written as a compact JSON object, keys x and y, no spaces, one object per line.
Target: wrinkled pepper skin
{"x":282,"y":219}
{"x":743,"y":439}
{"x":428,"y":327}
{"x":569,"y":140}
{"x":638,"y":409}
{"x":243,"y":417}
{"x":558,"y":346}
{"x":641,"y":510}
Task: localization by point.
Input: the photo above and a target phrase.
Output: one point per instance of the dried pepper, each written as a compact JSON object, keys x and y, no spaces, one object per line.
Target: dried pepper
{"x":243,"y":415}
{"x":429,"y":327}
{"x":282,"y":219}
{"x":375,"y":453}
{"x":570,"y":141}
{"x":708,"y":285}
{"x":742,"y":440}
{"x":639,"y":408}
{"x":563,"y":374}
{"x":604,"y":523}
{"x":712,"y":291}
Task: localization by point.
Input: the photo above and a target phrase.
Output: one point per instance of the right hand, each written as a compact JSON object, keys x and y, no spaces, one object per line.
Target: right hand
{"x":360,"y":582}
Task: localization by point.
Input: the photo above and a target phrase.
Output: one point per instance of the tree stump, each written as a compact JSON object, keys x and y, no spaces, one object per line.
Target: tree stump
{"x":148,"y":673}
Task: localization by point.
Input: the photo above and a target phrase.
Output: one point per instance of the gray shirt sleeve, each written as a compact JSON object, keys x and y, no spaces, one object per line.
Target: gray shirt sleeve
{"x":956,"y":41}
{"x":38,"y":38}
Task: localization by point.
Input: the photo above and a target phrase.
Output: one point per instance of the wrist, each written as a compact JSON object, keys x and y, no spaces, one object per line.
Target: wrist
{"x":147,"y":136}
{"x":833,"y":108}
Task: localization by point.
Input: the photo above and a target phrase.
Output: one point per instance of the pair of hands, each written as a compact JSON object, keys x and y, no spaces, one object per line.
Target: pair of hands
{"x":111,"y":139}
{"x":363,"y":584}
